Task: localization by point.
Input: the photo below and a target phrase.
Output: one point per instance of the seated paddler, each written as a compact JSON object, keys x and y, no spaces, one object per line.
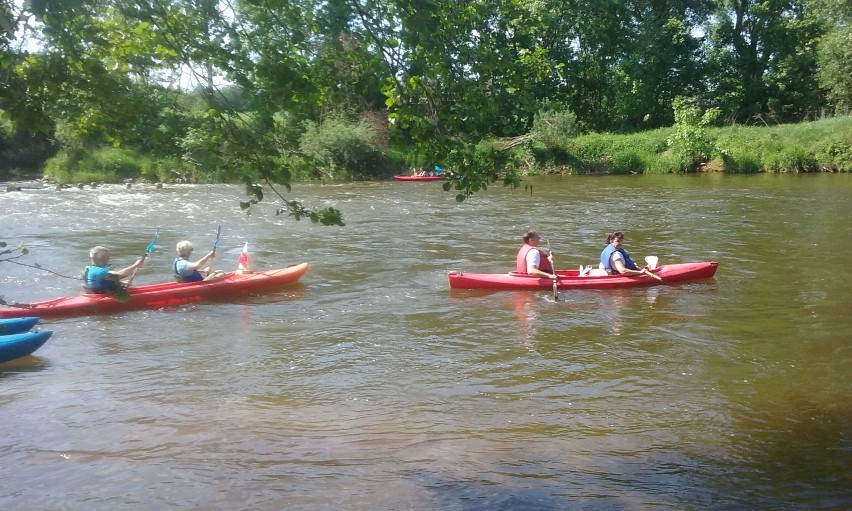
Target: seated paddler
{"x":615,"y":260}
{"x":98,"y":278}
{"x":533,"y":260}
{"x":189,"y":271}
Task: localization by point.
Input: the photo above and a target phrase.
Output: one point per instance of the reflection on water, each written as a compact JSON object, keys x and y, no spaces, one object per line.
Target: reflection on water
{"x":30,"y":363}
{"x":370,"y":385}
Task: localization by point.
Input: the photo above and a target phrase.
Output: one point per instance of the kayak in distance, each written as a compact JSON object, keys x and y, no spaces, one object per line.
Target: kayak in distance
{"x":419,"y":178}
{"x":17,"y":325}
{"x":158,"y":296}
{"x":571,"y":279}
{"x":14,"y":346}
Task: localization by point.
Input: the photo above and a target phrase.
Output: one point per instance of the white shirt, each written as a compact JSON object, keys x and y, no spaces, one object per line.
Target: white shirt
{"x":533,"y":259}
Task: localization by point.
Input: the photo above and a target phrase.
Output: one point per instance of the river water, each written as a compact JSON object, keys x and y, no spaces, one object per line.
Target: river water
{"x":372,"y":386}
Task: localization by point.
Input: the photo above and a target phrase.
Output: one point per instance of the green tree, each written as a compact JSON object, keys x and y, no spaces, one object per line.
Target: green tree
{"x":762,"y":58}
{"x":835,"y":51}
{"x":661,"y":60}
{"x":463,"y":72}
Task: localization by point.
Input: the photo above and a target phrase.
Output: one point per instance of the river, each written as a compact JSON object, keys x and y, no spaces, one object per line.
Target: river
{"x":371,"y":386}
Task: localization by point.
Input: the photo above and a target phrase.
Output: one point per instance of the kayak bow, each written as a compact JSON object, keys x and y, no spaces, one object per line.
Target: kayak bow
{"x":15,"y":346}
{"x":17,"y":325}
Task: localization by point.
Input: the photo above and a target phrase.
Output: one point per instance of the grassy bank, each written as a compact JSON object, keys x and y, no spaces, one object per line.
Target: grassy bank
{"x":820,"y":146}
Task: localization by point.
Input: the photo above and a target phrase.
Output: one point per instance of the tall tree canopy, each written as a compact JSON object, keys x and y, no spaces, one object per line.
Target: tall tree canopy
{"x":446,"y":74}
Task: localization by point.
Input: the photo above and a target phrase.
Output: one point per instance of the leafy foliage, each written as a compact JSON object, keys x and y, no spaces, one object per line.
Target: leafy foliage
{"x":552,"y":125}
{"x":690,"y":141}
{"x":338,"y":148}
{"x":804,"y":147}
{"x":762,"y":60}
{"x":834,"y":51}
{"x":448,"y":77}
{"x":105,"y":165}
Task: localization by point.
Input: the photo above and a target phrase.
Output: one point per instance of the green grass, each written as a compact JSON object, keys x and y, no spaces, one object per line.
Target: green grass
{"x":824,"y":145}
{"x":819,"y":146}
{"x":103,"y":165}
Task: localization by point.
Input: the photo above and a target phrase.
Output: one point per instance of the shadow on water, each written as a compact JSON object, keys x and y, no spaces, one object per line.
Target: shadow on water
{"x":28,"y":364}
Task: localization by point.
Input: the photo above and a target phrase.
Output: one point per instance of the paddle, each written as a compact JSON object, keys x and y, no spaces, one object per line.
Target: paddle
{"x":147,"y":251}
{"x":646,"y":271}
{"x":215,"y":245}
{"x":555,"y":288}
{"x":652,"y":263}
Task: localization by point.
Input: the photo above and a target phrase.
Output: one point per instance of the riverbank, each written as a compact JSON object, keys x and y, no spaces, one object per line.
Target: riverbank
{"x":819,"y":146}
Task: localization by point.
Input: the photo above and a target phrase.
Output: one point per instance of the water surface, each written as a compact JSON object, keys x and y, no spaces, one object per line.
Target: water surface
{"x":371,"y":385}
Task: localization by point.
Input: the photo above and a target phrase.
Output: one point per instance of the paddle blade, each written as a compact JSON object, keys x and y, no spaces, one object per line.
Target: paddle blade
{"x":153,"y":242}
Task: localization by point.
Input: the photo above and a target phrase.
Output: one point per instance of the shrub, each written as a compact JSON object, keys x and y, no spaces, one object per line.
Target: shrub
{"x":552,"y":125}
{"x":625,"y":162}
{"x":339,"y":149}
{"x":106,"y":164}
{"x":742,"y":161}
{"x":667,"y":163}
{"x":690,"y":140}
{"x":790,"y":159}
{"x":835,"y":155}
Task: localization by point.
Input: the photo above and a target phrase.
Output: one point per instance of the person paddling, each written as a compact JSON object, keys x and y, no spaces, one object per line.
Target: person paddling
{"x":532,"y":260}
{"x":98,"y":278}
{"x":616,"y":260}
{"x":188,"y":271}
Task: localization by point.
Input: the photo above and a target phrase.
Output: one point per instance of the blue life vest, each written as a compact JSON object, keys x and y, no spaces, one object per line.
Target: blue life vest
{"x":96,"y":279}
{"x":195,"y":276}
{"x":606,"y":255}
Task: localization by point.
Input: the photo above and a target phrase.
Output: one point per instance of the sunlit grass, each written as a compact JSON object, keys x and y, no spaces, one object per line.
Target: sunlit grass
{"x":824,"y":145}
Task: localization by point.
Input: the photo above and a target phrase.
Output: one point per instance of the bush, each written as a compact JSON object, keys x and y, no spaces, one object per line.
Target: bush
{"x":803,"y":147}
{"x":835,"y":155}
{"x":620,"y":154}
{"x":552,"y":125}
{"x":690,"y":140}
{"x":625,"y":162}
{"x":740,"y":162}
{"x":790,"y":159}
{"x":339,"y":148}
{"x":107,"y":165}
{"x":666,"y":163}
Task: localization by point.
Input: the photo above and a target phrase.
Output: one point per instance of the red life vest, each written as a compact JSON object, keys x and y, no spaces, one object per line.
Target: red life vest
{"x":521,"y":260}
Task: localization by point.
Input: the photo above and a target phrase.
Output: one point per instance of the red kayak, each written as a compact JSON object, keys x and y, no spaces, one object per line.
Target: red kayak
{"x":419,"y":178}
{"x":571,"y":279}
{"x":157,"y":296}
